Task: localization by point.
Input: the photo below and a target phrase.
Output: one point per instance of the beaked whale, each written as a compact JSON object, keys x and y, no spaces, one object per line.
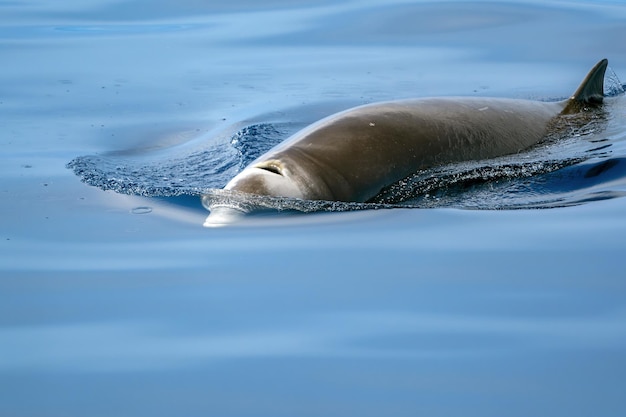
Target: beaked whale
{"x":352,"y":155}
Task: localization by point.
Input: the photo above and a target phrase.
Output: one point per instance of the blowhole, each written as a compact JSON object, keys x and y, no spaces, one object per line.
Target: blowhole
{"x":273,"y":168}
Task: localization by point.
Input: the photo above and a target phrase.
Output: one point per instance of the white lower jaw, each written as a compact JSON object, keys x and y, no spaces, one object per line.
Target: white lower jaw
{"x":223,"y":216}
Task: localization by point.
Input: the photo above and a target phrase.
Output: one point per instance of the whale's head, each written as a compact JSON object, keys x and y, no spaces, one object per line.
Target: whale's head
{"x":270,"y":178}
{"x":267,"y":178}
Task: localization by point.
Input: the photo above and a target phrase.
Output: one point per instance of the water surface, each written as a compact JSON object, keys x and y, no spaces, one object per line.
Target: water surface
{"x":121,"y":304}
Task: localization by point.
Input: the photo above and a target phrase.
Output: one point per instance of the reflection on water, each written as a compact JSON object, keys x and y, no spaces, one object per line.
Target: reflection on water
{"x":371,"y":335}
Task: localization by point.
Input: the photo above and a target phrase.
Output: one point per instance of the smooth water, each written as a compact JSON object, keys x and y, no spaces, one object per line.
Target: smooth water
{"x":119,"y":302}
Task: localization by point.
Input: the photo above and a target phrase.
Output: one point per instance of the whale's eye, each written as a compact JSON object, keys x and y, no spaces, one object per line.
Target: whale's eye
{"x":271,"y":168}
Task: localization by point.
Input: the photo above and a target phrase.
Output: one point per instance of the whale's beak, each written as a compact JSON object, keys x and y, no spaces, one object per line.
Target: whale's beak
{"x":223,"y":216}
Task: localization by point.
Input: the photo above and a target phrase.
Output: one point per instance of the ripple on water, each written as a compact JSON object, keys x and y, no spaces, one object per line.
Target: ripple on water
{"x":142,"y":210}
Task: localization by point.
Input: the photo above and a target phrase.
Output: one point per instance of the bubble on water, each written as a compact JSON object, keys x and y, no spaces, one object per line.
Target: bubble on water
{"x":142,"y":210}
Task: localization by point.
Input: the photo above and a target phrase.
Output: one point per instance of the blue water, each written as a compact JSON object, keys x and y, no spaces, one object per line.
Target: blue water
{"x":116,"y":304}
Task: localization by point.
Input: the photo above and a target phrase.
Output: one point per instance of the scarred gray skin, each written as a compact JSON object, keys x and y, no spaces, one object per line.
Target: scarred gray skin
{"x":352,"y":155}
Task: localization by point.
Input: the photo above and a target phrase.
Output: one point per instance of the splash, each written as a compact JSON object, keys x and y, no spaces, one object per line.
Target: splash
{"x":613,"y":87}
{"x":185,"y":170}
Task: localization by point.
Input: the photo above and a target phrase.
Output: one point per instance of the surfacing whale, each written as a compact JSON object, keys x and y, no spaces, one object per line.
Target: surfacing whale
{"x":352,"y":155}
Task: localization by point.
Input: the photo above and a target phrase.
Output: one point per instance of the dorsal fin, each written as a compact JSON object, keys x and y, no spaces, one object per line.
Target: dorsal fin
{"x":591,"y":90}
